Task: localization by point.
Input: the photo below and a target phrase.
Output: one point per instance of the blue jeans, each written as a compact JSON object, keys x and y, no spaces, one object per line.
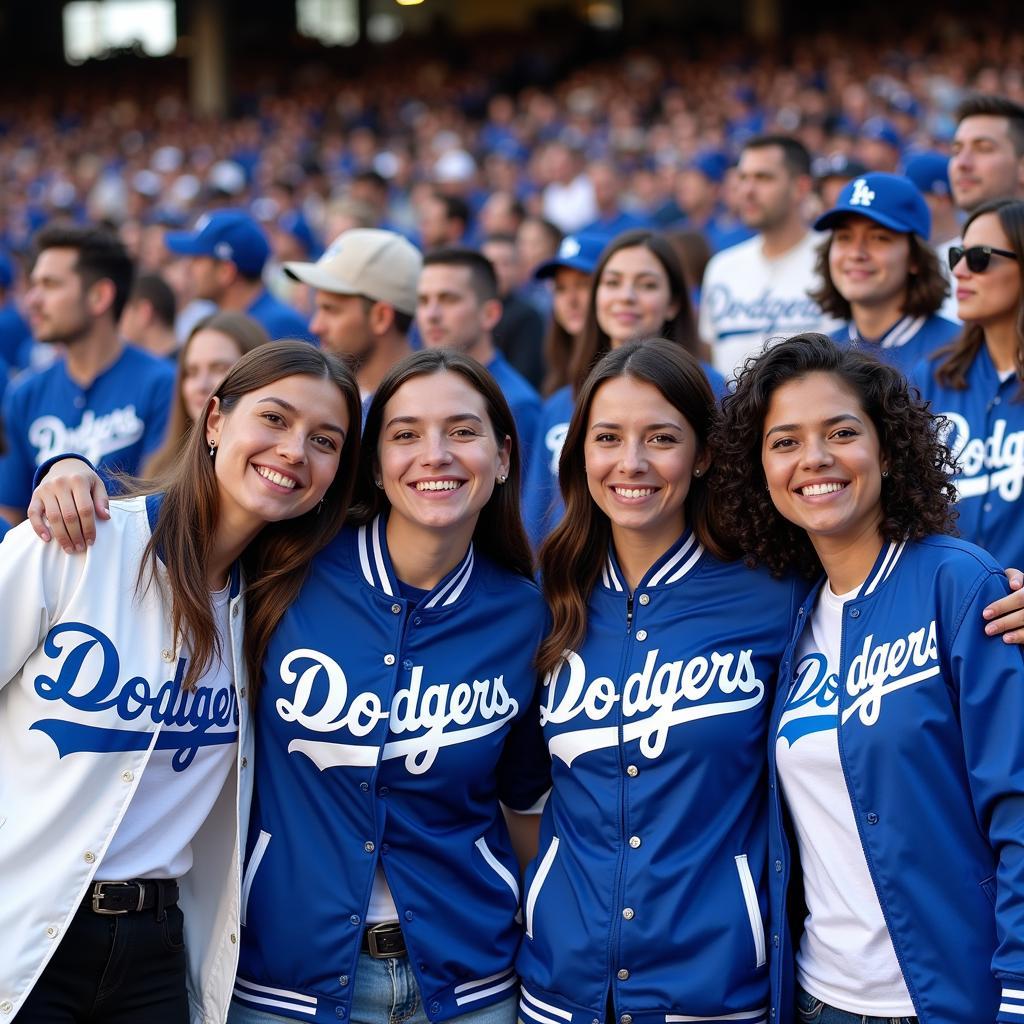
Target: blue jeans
{"x":386,"y":993}
{"x":811,"y":1010}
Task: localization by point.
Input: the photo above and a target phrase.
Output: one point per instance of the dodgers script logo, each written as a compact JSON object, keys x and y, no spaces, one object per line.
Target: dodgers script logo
{"x":882,"y":668}
{"x":654,"y":700}
{"x":993,"y":463}
{"x":88,"y":679}
{"x":813,"y":702}
{"x":95,"y":437}
{"x":765,"y":313}
{"x":441,"y":713}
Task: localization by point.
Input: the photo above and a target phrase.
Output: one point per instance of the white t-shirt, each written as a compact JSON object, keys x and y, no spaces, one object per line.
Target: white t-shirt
{"x":846,"y":956}
{"x":185,"y":774}
{"x":570,"y":206}
{"x":747,"y":299}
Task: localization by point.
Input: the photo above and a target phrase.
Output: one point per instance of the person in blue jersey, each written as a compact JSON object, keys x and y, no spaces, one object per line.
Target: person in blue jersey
{"x":380,"y":881}
{"x":646,"y":900}
{"x":977,"y":383}
{"x":637,"y":291}
{"x":879,"y":274}
{"x":102,"y":398}
{"x":896,"y":760}
{"x":126,"y":745}
{"x":458,"y":308}
{"x":570,"y":273}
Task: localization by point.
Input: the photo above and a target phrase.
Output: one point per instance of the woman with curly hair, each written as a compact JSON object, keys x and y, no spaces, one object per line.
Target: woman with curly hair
{"x":896,"y":764}
{"x":977,"y":382}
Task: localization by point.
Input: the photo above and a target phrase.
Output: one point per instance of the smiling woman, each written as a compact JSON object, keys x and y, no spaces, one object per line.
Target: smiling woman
{"x":125,"y":737}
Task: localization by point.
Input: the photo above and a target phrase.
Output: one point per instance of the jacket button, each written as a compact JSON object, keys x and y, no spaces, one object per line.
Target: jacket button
{"x":339,"y":1011}
{"x":626,"y":1018}
{"x":407,"y":664}
{"x":52,"y":932}
{"x":645,"y":598}
{"x":634,"y":841}
{"x":245,"y":762}
{"x":343,"y":980}
{"x":632,"y":771}
{"x":775,"y":941}
{"x":354,"y":919}
{"x":396,"y":608}
{"x":233,"y":937}
{"x":368,"y":846}
{"x":435,"y":1007}
{"x":872,"y":818}
{"x":389,"y":659}
{"x":89,"y":857}
{"x":641,"y":634}
{"x":622,"y":975}
{"x":167,"y":655}
{"x":6,"y":1006}
{"x":408,"y":915}
{"x":778,"y":865}
{"x":364,"y":787}
{"x":241,"y":692}
{"x":127,"y":776}
{"x":854,"y":613}
{"x":629,"y":913}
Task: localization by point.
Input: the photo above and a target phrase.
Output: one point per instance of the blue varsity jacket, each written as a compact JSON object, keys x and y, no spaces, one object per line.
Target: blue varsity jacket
{"x":649,"y":885}
{"x":932,"y":746}
{"x":986,"y":434}
{"x":388,"y":733}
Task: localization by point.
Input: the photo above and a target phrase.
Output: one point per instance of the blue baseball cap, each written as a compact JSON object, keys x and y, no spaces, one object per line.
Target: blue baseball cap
{"x":929,"y":171}
{"x":712,"y":163}
{"x":577,"y":252}
{"x":230,"y":235}
{"x":888,"y":199}
{"x":881,"y":129}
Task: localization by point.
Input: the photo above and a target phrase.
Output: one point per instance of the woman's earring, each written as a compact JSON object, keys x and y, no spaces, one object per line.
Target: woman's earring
{"x":502,"y":478}
{"x":696,"y":472}
{"x":885,"y":474}
{"x":379,"y":483}
{"x":213,"y":449}
{"x":320,"y":505}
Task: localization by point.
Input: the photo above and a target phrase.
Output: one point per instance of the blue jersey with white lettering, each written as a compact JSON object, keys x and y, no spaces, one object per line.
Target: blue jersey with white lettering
{"x":650,"y":880}
{"x":388,"y":732}
{"x":543,"y":507}
{"x":986,"y":435}
{"x":932,"y":749}
{"x":905,"y":343}
{"x":116,"y":421}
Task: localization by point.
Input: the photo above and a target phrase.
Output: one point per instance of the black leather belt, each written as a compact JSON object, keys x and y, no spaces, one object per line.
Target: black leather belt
{"x":384,"y":941}
{"x":132,"y":897}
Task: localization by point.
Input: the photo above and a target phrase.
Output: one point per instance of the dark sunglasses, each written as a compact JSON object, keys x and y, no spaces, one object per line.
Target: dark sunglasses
{"x":978,"y":256}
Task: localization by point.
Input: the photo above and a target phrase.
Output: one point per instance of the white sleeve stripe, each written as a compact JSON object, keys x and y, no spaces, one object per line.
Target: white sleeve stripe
{"x":484,"y":993}
{"x":1013,"y":993}
{"x":745,"y":1015}
{"x":564,"y":1014}
{"x":298,"y":996}
{"x":481,"y":981}
{"x":1017,"y":1011}
{"x":523,"y":1008}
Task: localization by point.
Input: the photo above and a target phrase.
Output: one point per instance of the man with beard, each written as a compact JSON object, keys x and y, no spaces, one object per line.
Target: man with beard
{"x":104,"y":399}
{"x":365,"y":300}
{"x":757,"y":290}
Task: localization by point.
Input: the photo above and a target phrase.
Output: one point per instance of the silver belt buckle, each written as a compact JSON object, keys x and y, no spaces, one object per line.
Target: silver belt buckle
{"x":98,"y":894}
{"x":371,"y":941}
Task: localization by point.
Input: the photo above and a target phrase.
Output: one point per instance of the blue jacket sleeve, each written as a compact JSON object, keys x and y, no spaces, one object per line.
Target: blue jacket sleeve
{"x":990,"y":679}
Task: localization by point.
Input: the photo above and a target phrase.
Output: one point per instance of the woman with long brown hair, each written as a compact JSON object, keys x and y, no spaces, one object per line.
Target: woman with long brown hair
{"x":647,"y":896}
{"x":216,"y":343}
{"x":977,"y":382}
{"x":126,"y":742}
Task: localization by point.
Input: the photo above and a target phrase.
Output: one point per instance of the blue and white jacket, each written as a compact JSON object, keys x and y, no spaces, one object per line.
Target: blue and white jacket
{"x":389,"y":733}
{"x":649,"y":885}
{"x":543,"y":507}
{"x":986,"y":435}
{"x":906,"y":342}
{"x":932,"y":746}
{"x":90,"y":686}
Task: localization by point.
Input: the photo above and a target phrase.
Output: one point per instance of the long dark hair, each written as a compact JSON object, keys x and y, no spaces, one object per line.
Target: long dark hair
{"x":247,"y":334}
{"x":917,"y":496}
{"x":274,"y":565}
{"x":572,"y":556}
{"x":681,"y":329}
{"x":499,"y":532}
{"x":954,"y":360}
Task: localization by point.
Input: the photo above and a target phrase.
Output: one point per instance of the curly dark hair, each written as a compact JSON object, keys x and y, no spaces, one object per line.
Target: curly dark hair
{"x":917,"y":496}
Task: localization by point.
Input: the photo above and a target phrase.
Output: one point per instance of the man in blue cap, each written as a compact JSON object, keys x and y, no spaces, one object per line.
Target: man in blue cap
{"x":879,"y":146}
{"x":878,"y":272}
{"x":228,"y":250}
{"x":929,"y":171}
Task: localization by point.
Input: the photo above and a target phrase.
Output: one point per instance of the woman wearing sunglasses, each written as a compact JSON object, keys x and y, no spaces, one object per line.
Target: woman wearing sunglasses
{"x":976,"y":382}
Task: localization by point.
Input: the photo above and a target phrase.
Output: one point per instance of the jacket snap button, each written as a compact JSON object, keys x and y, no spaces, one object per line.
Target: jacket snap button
{"x":634,"y":841}
{"x":52,"y":932}
{"x":354,"y":919}
{"x":368,"y":846}
{"x":775,"y":941}
{"x":245,"y":762}
{"x":339,"y":1011}
{"x":167,"y":655}
{"x":855,"y":613}
{"x":396,"y":608}
{"x":234,"y":612}
{"x":645,"y":598}
{"x":623,"y":975}
{"x":628,"y":913}
{"x":632,"y":771}
{"x":343,"y":980}
{"x":872,"y":818}
{"x":89,"y":857}
{"x":364,"y":787}
{"x":778,"y":865}
{"x":407,"y":664}
{"x":435,"y":1007}
{"x":127,"y":776}
{"x":389,"y":659}
{"x":626,"y":1018}
{"x":408,"y":915}
{"x":641,"y":634}
{"x":6,"y":1006}
{"x":233,"y":937}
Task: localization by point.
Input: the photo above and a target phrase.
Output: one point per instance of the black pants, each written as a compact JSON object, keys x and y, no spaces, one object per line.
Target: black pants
{"x":123,"y":969}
